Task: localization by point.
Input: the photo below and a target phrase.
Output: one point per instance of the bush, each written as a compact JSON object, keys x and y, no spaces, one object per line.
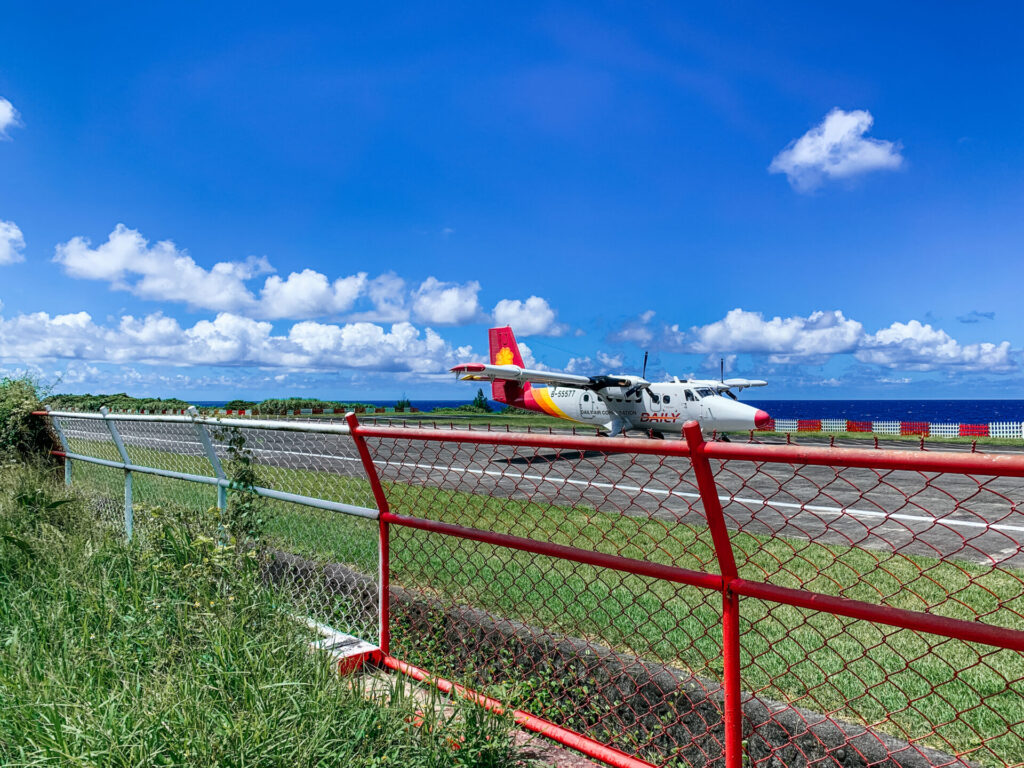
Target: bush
{"x":21,"y":433}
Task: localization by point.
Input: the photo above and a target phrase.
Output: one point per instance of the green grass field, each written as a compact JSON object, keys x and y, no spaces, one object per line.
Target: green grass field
{"x":945,"y":693}
{"x":171,"y":651}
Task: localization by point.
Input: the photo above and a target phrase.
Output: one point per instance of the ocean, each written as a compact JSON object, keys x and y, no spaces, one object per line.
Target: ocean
{"x":964,"y":411}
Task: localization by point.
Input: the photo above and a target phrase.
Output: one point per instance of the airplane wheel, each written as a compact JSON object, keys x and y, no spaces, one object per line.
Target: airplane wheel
{"x":655,"y":435}
{"x":725,"y":439}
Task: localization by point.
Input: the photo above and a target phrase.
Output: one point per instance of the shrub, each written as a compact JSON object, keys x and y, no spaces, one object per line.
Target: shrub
{"x":21,"y":433}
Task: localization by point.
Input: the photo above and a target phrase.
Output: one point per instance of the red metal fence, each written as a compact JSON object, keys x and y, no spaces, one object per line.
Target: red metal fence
{"x":704,"y":603}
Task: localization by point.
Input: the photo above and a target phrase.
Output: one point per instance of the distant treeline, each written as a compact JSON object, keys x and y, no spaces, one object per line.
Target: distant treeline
{"x":118,"y":401}
{"x":280,"y":404}
{"x":123,"y":401}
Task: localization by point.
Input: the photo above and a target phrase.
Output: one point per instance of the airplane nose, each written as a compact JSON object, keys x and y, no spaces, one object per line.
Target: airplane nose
{"x":761,"y":419}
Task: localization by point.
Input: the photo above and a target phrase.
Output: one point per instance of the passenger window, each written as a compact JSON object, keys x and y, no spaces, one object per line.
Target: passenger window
{"x":668,"y":399}
{"x":586,"y":398}
{"x":690,"y":396}
{"x":655,"y":398}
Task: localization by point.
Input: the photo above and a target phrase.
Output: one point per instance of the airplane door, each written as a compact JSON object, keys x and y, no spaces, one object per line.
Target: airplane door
{"x":707,"y":409}
{"x":652,"y":401}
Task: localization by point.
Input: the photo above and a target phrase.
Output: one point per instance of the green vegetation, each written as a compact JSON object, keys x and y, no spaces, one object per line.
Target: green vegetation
{"x":171,"y":651}
{"x":481,"y":402}
{"x":118,"y":401}
{"x":941,"y":692}
{"x":20,"y":432}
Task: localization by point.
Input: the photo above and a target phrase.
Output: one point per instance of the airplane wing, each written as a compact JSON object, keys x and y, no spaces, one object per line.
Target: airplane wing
{"x":739,"y":384}
{"x":484,"y":372}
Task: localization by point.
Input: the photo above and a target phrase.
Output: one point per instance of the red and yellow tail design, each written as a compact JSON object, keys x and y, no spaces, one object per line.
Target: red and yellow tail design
{"x":505,"y":351}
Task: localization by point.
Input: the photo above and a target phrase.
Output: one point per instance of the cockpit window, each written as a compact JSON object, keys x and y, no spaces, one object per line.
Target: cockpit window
{"x":706,"y":392}
{"x":690,"y":396}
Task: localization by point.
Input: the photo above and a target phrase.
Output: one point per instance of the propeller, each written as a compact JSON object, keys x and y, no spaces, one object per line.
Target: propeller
{"x":633,"y":390}
{"x":643,"y":373}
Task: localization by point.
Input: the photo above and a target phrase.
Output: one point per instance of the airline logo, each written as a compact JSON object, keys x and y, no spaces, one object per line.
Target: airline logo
{"x":504,"y":357}
{"x":659,"y":416}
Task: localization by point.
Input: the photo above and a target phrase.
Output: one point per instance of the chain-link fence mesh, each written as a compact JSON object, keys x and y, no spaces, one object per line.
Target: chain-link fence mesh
{"x":327,"y":559}
{"x":629,"y":656}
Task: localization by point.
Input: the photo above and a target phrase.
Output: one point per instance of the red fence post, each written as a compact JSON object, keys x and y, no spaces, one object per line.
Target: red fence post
{"x":730,"y":601}
{"x":384,"y":564}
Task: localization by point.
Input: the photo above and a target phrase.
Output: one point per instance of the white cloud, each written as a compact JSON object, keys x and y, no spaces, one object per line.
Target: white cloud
{"x":12,"y":243}
{"x":309,"y":294}
{"x":533,"y":317}
{"x":835,"y":148}
{"x":228,"y":339}
{"x":446,"y":303}
{"x":163,"y":272}
{"x":911,"y":346}
{"x":579,"y":365}
{"x":917,"y":346}
{"x":387,"y":293}
{"x":9,"y":117}
{"x":635,"y":331}
{"x":784,"y":340}
{"x":529,"y":361}
{"x":610,"y":361}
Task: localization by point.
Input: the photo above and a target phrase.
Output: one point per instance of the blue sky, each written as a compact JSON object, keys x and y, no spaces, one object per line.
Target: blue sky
{"x":250,"y":201}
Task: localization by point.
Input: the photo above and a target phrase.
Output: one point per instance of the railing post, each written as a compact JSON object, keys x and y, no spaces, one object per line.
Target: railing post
{"x":384,"y":555}
{"x":730,"y":602}
{"x":211,"y":455}
{"x":63,"y":444}
{"x":129,"y":513}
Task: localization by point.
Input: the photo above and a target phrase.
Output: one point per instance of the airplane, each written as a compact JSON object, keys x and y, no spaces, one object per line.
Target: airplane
{"x":615,"y":403}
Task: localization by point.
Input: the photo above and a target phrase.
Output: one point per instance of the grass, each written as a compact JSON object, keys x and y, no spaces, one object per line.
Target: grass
{"x":949,"y":694}
{"x":170,"y":651}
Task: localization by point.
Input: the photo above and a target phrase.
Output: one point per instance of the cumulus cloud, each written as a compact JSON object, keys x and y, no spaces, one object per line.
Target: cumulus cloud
{"x":533,"y":317}
{"x":12,"y":243}
{"x":446,"y":303}
{"x":635,"y":331}
{"x":917,"y":346}
{"x":387,"y":294}
{"x":226,"y":340}
{"x":579,"y":365}
{"x":9,"y":118}
{"x":161,"y":272}
{"x":309,"y":294}
{"x":784,"y":340}
{"x":836,"y":148}
{"x":609,"y":361}
{"x":814,"y":339}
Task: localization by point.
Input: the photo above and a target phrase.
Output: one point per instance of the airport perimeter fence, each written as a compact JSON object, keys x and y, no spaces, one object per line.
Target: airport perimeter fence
{"x":651,"y":603}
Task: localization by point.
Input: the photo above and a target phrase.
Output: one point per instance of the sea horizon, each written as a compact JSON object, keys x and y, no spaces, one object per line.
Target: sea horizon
{"x":867,"y":409}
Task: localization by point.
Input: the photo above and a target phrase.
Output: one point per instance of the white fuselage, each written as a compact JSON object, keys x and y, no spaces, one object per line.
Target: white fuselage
{"x":661,"y":407}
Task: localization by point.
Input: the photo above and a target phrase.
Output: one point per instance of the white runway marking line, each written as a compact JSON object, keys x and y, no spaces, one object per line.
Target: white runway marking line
{"x":661,"y":492}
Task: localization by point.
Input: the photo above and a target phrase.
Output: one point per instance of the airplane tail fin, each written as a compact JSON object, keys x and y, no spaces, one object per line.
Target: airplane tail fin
{"x":505,"y":351}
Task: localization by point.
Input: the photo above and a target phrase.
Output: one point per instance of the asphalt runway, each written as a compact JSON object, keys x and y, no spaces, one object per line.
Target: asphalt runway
{"x":978,"y":519}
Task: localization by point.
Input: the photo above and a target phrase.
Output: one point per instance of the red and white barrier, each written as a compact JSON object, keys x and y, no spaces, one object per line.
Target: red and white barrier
{"x":1013,"y":430}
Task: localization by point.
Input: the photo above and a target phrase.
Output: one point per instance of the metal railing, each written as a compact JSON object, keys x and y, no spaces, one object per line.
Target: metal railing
{"x":647,"y":602}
